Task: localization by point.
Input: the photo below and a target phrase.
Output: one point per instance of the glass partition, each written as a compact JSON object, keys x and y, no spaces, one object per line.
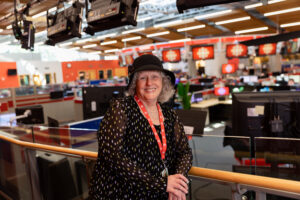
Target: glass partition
{"x":278,"y":157}
{"x":222,"y":153}
{"x":23,"y":91}
{"x":5,"y":93}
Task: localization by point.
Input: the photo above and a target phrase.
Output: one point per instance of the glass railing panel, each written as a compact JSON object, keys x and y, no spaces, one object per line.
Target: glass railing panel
{"x":76,"y":138}
{"x":14,"y":171}
{"x":278,"y":157}
{"x":221,"y":152}
{"x":23,"y":91}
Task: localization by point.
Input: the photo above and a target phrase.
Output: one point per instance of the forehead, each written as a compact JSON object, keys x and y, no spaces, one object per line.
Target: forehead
{"x":150,"y":72}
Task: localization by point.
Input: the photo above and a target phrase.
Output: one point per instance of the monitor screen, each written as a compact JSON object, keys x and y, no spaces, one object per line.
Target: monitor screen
{"x":196,"y":97}
{"x":36,"y":116}
{"x":250,"y":79}
{"x":11,"y":72}
{"x":252,"y":113}
{"x":221,"y":91}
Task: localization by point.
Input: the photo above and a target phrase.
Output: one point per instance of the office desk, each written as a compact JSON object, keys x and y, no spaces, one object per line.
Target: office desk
{"x":205,"y":104}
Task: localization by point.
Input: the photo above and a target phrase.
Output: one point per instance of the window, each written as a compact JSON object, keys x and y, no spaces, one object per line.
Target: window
{"x":24,"y":80}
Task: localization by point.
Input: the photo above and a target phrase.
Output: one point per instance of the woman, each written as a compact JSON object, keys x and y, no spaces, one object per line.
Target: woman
{"x":143,"y":151}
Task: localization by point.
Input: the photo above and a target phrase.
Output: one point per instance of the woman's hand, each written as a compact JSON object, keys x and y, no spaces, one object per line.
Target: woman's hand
{"x":173,"y":196}
{"x":177,"y":186}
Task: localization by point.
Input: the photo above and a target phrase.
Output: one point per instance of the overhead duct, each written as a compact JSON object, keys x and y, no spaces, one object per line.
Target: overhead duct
{"x":272,"y":39}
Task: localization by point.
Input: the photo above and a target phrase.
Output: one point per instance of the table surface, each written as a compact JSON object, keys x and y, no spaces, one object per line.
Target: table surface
{"x":211,"y":102}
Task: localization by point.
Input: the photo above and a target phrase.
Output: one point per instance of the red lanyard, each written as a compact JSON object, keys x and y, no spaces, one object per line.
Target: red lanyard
{"x":162,"y":147}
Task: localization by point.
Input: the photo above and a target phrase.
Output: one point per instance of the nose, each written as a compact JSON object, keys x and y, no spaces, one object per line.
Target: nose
{"x":148,"y":81}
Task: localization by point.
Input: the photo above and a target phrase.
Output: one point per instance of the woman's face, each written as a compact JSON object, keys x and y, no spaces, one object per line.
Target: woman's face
{"x":149,"y":85}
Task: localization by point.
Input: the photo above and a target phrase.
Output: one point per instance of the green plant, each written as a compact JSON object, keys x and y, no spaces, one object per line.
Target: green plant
{"x":184,"y":96}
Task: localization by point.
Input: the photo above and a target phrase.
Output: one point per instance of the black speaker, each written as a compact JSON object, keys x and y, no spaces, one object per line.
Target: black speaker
{"x":187,"y":4}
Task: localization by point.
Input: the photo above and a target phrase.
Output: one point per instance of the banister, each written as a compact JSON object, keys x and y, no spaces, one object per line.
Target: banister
{"x":234,"y":177}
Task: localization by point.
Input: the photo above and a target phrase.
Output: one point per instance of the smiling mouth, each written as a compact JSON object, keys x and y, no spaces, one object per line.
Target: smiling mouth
{"x":150,"y":89}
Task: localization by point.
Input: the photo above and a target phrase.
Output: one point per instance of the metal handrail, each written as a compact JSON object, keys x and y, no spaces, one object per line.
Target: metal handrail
{"x":234,"y":177}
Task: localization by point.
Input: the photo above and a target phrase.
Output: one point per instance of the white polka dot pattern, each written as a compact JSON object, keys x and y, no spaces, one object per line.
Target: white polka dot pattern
{"x":129,"y":164}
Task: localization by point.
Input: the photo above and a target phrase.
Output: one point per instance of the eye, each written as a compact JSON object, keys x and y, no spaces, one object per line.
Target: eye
{"x":142,"y":78}
{"x":155,"y":77}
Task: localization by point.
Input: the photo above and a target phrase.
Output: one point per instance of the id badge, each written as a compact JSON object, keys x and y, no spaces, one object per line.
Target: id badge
{"x":165,"y":173}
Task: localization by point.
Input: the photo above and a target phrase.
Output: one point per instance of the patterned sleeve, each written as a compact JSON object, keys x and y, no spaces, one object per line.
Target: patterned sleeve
{"x":110,"y":139}
{"x":183,"y":151}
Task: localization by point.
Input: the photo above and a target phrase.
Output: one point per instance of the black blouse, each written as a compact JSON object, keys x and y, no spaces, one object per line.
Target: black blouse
{"x":129,"y":164}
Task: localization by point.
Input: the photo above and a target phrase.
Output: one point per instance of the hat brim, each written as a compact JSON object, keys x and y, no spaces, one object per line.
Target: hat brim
{"x":154,"y":68}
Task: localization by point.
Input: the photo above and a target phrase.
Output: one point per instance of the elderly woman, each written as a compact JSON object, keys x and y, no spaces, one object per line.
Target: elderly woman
{"x":143,"y":151}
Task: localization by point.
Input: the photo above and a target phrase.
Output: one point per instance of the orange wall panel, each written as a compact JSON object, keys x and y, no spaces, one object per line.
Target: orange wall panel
{"x":5,"y":80}
{"x":71,"y":69}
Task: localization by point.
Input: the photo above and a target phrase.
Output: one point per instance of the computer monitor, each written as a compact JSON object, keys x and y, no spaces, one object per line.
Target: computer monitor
{"x":36,"y":116}
{"x":250,"y":79}
{"x":254,"y":112}
{"x":196,"y":97}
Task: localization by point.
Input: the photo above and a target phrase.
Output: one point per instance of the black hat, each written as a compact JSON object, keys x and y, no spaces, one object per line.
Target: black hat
{"x":148,"y":62}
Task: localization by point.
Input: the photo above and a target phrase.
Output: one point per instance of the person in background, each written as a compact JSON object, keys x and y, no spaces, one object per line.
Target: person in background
{"x":143,"y":151}
{"x":291,"y":82}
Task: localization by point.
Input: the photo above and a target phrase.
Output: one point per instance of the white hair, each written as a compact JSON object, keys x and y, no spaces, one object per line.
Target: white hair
{"x":167,"y":90}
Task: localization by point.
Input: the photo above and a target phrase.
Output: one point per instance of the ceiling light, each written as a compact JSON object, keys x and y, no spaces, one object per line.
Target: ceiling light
{"x":158,"y":34}
{"x":39,"y":14}
{"x":111,"y":57}
{"x":282,"y":11}
{"x":253,"y":5}
{"x":233,"y":20}
{"x":40,"y":33}
{"x":111,"y":50}
{"x":75,"y":48}
{"x":290,"y":24}
{"x":252,"y":30}
{"x":181,"y":40}
{"x":143,"y":19}
{"x":95,"y":52}
{"x":65,"y":44}
{"x":108,"y":42}
{"x":89,"y":46}
{"x":52,"y":9}
{"x":173,"y":23}
{"x":1,"y":30}
{"x":131,"y":38}
{"x":212,"y":14}
{"x":9,"y":27}
{"x":274,"y":1}
{"x":133,"y":30}
{"x":83,"y":41}
{"x":105,"y":36}
{"x":190,"y":28}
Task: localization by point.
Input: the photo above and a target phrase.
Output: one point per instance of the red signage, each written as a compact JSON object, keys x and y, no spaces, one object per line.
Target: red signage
{"x":203,"y":52}
{"x":171,"y":55}
{"x":267,"y":49}
{"x":145,"y":52}
{"x":228,"y":68}
{"x":236,"y":51}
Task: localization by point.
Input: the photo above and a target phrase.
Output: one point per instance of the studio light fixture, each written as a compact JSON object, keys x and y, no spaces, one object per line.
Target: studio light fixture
{"x":191,"y":28}
{"x":158,"y":34}
{"x":252,"y":30}
{"x":233,"y":20}
{"x":131,"y":38}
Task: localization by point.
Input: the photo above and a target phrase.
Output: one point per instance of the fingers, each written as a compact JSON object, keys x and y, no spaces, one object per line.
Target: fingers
{"x":177,"y":185}
{"x":178,"y":196}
